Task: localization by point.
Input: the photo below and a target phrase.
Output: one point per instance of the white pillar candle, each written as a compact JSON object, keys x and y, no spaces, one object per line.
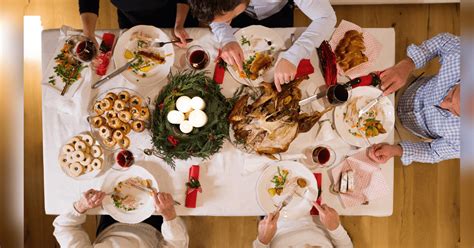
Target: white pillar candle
{"x":198,"y":103}
{"x":185,"y":127}
{"x":183,"y":104}
{"x":175,"y":117}
{"x":198,"y":118}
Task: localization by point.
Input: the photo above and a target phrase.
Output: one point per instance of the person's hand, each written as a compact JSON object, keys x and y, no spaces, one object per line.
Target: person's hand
{"x":267,"y":228}
{"x":164,"y":204}
{"x":181,"y":34}
{"x":381,"y":153}
{"x":233,"y":55}
{"x":285,"y":72}
{"x":396,"y":77}
{"x":328,"y":216}
{"x":89,"y":200}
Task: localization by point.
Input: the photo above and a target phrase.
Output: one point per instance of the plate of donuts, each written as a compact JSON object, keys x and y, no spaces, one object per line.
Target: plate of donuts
{"x":81,"y":157}
{"x":118,"y":118}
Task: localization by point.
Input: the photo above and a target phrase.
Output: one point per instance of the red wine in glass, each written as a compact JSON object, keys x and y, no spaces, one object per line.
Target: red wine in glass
{"x":321,"y":155}
{"x":86,"y":50}
{"x":337,"y":94}
{"x":198,"y":59}
{"x":125,"y":158}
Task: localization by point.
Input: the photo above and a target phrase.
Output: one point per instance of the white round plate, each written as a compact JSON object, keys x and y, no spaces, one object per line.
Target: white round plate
{"x":92,"y":174}
{"x":386,"y":116}
{"x":144,"y":211}
{"x":297,"y":207}
{"x":160,"y":72}
{"x":259,"y":36}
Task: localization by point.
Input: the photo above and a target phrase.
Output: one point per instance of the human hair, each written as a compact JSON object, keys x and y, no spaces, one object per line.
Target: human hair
{"x":206,"y":10}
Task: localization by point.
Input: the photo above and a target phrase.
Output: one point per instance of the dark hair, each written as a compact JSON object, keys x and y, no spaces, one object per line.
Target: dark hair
{"x":206,"y":10}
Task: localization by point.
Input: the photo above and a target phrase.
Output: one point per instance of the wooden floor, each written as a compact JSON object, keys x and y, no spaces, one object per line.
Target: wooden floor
{"x":426,"y":210}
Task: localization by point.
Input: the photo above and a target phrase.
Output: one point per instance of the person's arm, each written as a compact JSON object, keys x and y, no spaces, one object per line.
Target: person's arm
{"x":68,"y":230}
{"x":174,"y":232}
{"x":443,"y":45}
{"x":173,"y":229}
{"x":89,"y":10}
{"x":340,"y":238}
{"x":182,"y":10}
{"x":429,"y":152}
{"x":223,"y":32}
{"x":266,"y":230}
{"x":323,"y":21}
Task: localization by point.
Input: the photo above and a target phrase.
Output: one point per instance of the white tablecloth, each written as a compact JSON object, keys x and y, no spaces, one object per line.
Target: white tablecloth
{"x":227,"y":190}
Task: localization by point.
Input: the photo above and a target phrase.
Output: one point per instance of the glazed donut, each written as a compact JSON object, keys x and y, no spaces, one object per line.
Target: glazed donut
{"x":106,"y":104}
{"x":144,"y":114}
{"x":87,"y":160}
{"x":109,"y":142}
{"x":97,"y":121}
{"x":64,"y":160}
{"x":124,"y":96}
{"x":96,"y":164}
{"x":75,"y":169}
{"x":138,"y":126}
{"x":135,"y":101}
{"x":125,"y":128}
{"x":96,"y":151}
{"x":119,"y":105}
{"x":135,"y":111}
{"x":74,"y":140}
{"x":114,"y":123}
{"x":110,"y":114}
{"x":98,"y":108}
{"x":125,"y":116}
{"x":105,"y":132}
{"x":111,"y":96}
{"x":117,"y":135}
{"x":87,"y":139}
{"x":80,"y":146}
{"x":78,"y":156}
{"x":124,"y":143}
{"x":67,"y":149}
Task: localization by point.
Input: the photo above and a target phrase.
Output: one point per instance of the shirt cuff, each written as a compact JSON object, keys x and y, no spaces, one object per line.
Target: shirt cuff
{"x":416,"y":54}
{"x":295,"y":60}
{"x":409,"y":151}
{"x":258,"y":244}
{"x":338,"y":231}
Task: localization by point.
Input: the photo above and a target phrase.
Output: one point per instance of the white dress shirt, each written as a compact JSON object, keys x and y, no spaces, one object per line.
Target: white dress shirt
{"x":69,"y":233}
{"x":307,"y":232}
{"x":319,"y":11}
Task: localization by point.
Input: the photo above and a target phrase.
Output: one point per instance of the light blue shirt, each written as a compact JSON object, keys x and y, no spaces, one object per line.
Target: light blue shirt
{"x":419,"y":110}
{"x":319,"y":11}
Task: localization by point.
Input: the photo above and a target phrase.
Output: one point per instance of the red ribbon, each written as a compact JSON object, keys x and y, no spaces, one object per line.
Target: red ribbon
{"x":191,"y":193}
{"x":318,"y":177}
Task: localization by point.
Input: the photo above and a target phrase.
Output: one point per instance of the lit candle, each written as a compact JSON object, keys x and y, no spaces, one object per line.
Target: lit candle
{"x":175,"y":117}
{"x":185,"y":127}
{"x":198,"y":103}
{"x":183,"y":104}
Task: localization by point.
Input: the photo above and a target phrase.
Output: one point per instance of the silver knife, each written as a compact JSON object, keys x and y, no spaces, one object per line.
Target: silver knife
{"x":113,"y":74}
{"x":370,"y":105}
{"x":312,"y":98}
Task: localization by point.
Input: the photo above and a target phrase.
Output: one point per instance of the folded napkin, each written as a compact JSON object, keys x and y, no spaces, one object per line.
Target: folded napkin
{"x":191,"y":193}
{"x":219,"y":70}
{"x":305,"y":68}
{"x":319,"y":179}
{"x":370,"y":183}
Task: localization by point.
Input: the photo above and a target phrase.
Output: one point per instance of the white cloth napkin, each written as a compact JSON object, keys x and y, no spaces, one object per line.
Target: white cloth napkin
{"x":326,"y":132}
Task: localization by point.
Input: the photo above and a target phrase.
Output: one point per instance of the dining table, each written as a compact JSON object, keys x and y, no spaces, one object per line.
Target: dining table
{"x":229,"y":177}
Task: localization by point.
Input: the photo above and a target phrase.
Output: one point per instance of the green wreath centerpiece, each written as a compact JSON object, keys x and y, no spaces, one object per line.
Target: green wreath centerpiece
{"x":169,"y":143}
